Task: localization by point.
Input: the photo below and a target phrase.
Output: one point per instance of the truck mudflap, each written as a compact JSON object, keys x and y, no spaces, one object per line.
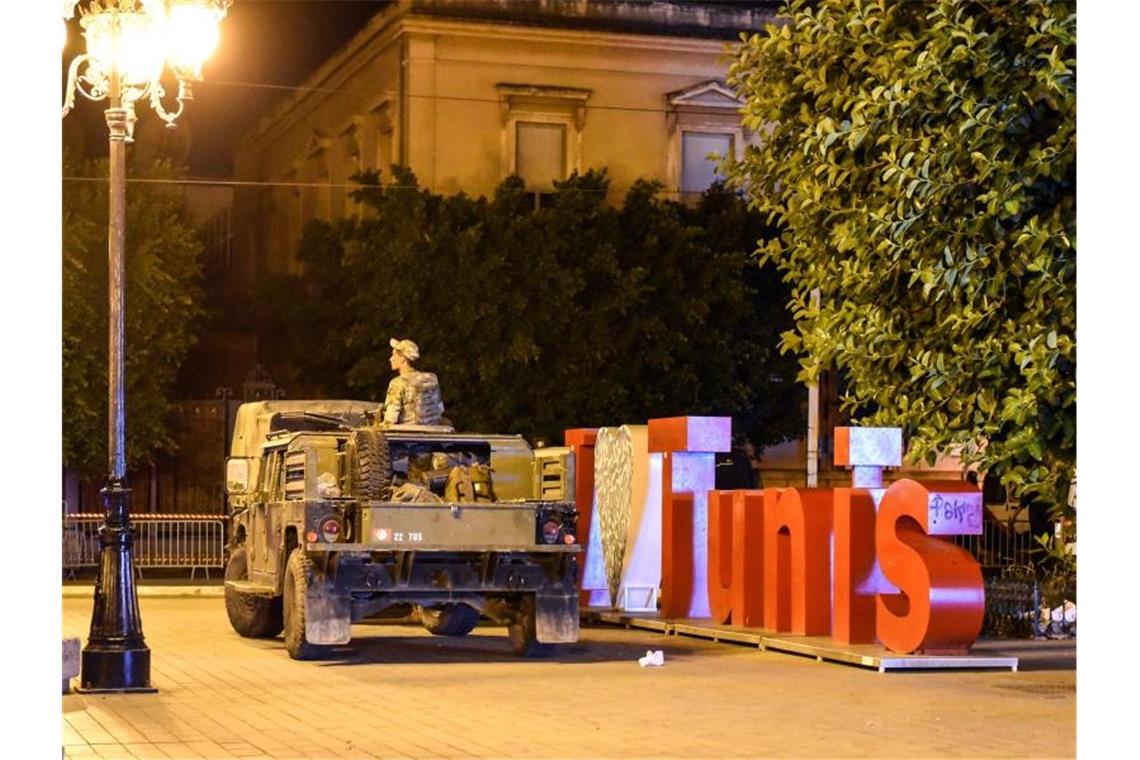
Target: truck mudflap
{"x":556,"y":618}
{"x":328,"y":617}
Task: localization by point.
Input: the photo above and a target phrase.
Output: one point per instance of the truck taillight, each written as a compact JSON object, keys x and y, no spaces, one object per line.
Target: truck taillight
{"x":569,"y":528}
{"x":555,"y":524}
{"x":330,"y":530}
{"x":550,"y":530}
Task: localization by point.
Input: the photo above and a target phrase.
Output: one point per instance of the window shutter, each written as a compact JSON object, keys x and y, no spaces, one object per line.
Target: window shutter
{"x":540,"y":154}
{"x":697,"y":170}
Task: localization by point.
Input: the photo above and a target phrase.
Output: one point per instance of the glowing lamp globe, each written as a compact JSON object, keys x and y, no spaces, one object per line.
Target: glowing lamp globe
{"x":191,"y":34}
{"x":126,"y":41}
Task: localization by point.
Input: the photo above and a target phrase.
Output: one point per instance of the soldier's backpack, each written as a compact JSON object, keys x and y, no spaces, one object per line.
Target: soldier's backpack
{"x":423,"y":404}
{"x":469,"y":483}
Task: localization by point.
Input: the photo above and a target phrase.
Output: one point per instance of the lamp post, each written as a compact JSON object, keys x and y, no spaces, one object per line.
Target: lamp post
{"x":128,"y":44}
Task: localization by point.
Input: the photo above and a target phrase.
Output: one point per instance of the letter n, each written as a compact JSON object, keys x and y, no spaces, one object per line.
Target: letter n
{"x":797,"y":566}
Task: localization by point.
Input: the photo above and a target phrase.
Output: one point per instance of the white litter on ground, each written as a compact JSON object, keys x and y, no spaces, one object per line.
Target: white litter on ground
{"x":652,"y":658}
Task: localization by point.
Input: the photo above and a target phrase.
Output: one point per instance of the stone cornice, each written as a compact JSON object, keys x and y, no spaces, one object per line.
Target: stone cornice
{"x":516,"y":31}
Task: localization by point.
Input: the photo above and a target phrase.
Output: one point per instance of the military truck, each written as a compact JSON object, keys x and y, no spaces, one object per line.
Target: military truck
{"x":337,"y":518}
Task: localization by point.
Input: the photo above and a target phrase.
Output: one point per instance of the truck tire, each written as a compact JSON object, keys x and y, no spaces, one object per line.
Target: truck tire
{"x":449,"y":620}
{"x":297,"y":573}
{"x":251,"y":615}
{"x":374,"y":466}
{"x":521,"y":632}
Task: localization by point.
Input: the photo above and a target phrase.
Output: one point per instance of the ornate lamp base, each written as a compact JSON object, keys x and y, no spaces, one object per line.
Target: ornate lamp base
{"x":115,"y":670}
{"x":116,"y":658}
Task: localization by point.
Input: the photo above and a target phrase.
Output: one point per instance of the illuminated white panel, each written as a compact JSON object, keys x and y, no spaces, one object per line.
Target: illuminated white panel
{"x":695,"y":472}
{"x":956,"y":513}
{"x":959,"y":597}
{"x":875,"y":582}
{"x":879,"y":446}
{"x":594,"y":574}
{"x":710,"y":433}
{"x":866,"y":476}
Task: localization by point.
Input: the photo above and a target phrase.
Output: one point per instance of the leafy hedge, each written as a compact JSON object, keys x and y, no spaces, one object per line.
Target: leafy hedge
{"x":577,"y":313}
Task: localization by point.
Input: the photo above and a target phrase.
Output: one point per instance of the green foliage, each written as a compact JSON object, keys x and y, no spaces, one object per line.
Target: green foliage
{"x":920,"y":159}
{"x":163,"y":300}
{"x":578,"y":313}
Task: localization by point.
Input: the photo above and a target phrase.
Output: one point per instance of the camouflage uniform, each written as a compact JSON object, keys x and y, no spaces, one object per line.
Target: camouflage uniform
{"x":414,"y":399}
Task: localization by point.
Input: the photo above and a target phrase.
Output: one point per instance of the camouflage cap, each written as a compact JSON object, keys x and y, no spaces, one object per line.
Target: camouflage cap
{"x":406,"y":347}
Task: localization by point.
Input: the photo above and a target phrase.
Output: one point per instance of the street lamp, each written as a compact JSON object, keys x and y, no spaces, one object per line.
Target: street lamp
{"x":128,"y":44}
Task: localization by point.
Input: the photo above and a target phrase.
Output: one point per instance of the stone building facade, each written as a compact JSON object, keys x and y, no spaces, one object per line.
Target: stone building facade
{"x":468,"y":92}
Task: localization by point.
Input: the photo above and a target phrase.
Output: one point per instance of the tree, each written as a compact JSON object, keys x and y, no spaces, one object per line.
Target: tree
{"x":579,"y":313}
{"x":920,"y":160}
{"x":163,"y":302}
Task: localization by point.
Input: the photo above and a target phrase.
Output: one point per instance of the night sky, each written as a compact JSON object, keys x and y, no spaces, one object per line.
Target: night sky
{"x":265,"y":45}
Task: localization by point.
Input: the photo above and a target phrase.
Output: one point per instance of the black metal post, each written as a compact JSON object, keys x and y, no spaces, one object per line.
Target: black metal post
{"x":116,"y":658}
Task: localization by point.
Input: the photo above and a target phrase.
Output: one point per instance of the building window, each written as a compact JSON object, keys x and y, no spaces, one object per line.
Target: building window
{"x":541,"y":132}
{"x":698,"y":168}
{"x":316,"y":178}
{"x":540,"y":154}
{"x":271,"y":227}
{"x":350,"y":163}
{"x":382,"y":140}
{"x":289,"y":207}
{"x":703,"y":119}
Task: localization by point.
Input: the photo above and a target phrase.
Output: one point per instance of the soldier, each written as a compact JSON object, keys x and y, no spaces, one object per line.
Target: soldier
{"x":413,"y":396}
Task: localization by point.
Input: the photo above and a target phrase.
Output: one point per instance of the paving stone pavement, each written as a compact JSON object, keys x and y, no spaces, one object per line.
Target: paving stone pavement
{"x":397,"y":692}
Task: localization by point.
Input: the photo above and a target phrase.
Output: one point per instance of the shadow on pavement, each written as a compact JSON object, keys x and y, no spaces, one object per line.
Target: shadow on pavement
{"x":395,"y":645}
{"x":1043,"y":654}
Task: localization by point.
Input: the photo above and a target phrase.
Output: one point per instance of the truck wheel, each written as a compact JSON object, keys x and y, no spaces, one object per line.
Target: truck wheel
{"x":521,"y":632}
{"x":374,"y":466}
{"x":450,"y":619}
{"x":297,"y":574}
{"x":251,"y":615}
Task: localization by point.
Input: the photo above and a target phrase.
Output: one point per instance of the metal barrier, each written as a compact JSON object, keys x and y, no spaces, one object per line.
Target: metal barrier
{"x":1003,"y":543}
{"x":1008,"y":553}
{"x":196,"y":542}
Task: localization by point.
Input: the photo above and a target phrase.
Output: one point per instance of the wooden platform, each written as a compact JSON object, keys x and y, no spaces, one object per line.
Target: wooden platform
{"x":823,"y":649}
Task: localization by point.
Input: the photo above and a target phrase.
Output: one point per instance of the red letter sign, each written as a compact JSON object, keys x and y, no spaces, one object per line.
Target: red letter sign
{"x":581,"y":442}
{"x":797,"y":568}
{"x":854,"y":621}
{"x":736,"y":567}
{"x":688,"y":472}
{"x":942,"y":600}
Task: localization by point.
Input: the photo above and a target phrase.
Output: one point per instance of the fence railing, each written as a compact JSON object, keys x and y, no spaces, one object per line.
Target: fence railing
{"x":194,"y":542}
{"x":1003,"y":543}
{"x":197,"y":542}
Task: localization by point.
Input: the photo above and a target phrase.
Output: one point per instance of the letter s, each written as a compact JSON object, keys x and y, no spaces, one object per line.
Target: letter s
{"x":942,"y":601}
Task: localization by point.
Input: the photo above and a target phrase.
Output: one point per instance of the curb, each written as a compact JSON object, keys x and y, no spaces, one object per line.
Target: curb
{"x":153,"y":592}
